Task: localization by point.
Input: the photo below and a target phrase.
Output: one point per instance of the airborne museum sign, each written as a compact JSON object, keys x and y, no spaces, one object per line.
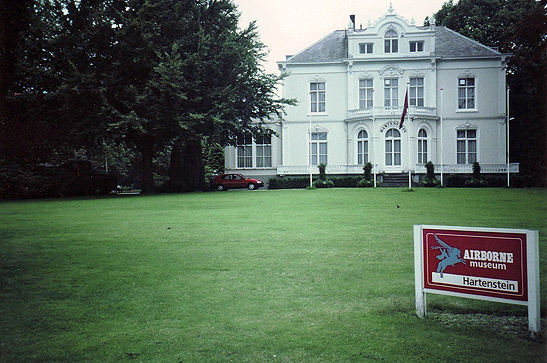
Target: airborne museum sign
{"x":481,"y":263}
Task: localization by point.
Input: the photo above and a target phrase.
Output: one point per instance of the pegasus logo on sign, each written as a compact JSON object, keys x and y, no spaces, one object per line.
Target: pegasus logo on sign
{"x":449,"y":255}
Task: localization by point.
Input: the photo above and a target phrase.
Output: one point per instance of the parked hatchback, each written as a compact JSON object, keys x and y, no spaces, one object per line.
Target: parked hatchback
{"x":232,"y":181}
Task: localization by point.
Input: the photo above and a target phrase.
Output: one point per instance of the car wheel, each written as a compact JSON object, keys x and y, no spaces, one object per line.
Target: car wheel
{"x":252,"y":186}
{"x":220,"y":187}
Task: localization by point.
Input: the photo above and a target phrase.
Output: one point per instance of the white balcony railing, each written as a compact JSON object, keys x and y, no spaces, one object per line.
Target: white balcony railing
{"x":331,"y":169}
{"x":392,"y":111}
{"x":419,"y":169}
{"x":468,"y":168}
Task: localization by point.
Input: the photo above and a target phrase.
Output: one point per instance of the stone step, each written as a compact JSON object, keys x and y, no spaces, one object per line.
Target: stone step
{"x":395,"y":180}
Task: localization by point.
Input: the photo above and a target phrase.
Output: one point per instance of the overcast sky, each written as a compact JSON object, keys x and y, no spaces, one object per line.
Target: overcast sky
{"x":289,"y":26}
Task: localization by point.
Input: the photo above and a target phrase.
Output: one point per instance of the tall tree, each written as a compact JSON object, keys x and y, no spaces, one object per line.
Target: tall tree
{"x":149,"y":72}
{"x":517,"y":27}
{"x":190,"y":73}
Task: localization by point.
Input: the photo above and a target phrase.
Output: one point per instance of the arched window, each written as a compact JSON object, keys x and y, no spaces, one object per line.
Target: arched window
{"x":393,"y":147}
{"x":422,"y":146}
{"x":391,"y":41}
{"x":362,"y":147}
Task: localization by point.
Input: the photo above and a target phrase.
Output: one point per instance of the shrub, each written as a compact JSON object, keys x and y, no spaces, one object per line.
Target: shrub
{"x":456,"y":180}
{"x":430,"y":170}
{"x":323,"y":182}
{"x":320,"y":183}
{"x":41,"y":181}
{"x":475,"y":183}
{"x":430,"y":180}
{"x":476,"y":170}
{"x":288,"y":183}
{"x":322,"y":173}
{"x":367,"y":171}
{"x":426,"y":182}
{"x":365,"y":183}
{"x":346,"y":181}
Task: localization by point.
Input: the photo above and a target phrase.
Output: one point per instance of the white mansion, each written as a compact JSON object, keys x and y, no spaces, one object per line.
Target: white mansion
{"x":351,"y":88}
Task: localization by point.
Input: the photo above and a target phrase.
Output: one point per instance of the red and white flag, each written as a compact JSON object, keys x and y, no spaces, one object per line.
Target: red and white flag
{"x":405,"y":109}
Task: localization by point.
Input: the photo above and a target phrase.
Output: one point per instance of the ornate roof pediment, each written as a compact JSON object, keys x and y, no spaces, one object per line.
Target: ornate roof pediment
{"x":391,"y":71}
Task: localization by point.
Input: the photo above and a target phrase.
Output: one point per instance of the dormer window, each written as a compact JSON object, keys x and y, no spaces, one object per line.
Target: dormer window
{"x":417,"y":46}
{"x":391,"y":42}
{"x":366,"y":48}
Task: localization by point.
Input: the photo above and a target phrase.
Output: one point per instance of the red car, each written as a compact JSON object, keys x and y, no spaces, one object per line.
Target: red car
{"x":232,"y":181}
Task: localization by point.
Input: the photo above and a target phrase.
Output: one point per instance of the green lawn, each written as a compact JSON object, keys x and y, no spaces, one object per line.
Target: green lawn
{"x":288,"y":275}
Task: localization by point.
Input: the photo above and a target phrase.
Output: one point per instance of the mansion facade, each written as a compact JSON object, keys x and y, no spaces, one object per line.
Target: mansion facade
{"x":351,"y":88}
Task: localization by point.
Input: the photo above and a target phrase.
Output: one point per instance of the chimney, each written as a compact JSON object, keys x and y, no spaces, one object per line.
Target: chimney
{"x":352,"y":18}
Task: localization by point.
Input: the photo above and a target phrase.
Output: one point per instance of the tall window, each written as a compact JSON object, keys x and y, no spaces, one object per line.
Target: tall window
{"x":365,"y":93}
{"x":466,"y":93}
{"x":391,"y":42}
{"x":318,"y":148}
{"x":245,"y":151}
{"x":317,"y":93}
{"x":263,"y":151}
{"x":416,"y":92}
{"x":391,"y":92}
{"x":422,"y":146}
{"x":362,"y":147}
{"x":466,"y":146}
{"x":417,"y":46}
{"x":393,"y":147}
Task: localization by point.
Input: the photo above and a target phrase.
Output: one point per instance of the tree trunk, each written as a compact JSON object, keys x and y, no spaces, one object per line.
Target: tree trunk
{"x":193,"y":169}
{"x":147,"y":151}
{"x":186,"y":167}
{"x":176,"y":180}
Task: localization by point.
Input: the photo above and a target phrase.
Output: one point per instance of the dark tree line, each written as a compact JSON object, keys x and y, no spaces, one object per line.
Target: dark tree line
{"x":146,"y":74}
{"x":518,"y":27}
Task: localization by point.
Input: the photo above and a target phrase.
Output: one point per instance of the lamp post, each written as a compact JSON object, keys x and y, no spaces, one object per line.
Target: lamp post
{"x":374,"y":165}
{"x":441,"y":135}
{"x":309,"y":145}
{"x":507,"y":141}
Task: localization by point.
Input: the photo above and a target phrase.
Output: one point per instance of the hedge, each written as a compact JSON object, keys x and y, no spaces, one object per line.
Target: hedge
{"x":19,"y":181}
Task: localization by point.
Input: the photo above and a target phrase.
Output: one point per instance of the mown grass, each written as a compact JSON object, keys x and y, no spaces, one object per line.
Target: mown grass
{"x":294,"y":275}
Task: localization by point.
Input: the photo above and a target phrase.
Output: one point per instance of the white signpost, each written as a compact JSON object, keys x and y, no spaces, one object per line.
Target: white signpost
{"x":492,"y":264}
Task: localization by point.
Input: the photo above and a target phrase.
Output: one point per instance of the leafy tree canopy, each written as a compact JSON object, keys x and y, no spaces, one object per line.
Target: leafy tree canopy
{"x":517,"y":27}
{"x":148,"y":72}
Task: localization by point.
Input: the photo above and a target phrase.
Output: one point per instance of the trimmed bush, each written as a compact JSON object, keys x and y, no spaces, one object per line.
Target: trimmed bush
{"x":367,"y":171}
{"x":323,"y":182}
{"x":320,"y":183}
{"x":365,"y":183}
{"x":475,"y":183}
{"x":456,"y":180}
{"x":346,"y":181}
{"x":288,"y":183}
{"x":429,"y":180}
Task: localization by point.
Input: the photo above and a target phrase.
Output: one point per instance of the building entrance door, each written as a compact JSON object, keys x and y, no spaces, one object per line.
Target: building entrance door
{"x":392,"y":151}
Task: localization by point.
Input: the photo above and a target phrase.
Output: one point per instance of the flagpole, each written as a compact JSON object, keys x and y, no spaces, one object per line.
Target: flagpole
{"x":408,"y":133}
{"x":405,"y":109}
{"x":409,"y":155}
